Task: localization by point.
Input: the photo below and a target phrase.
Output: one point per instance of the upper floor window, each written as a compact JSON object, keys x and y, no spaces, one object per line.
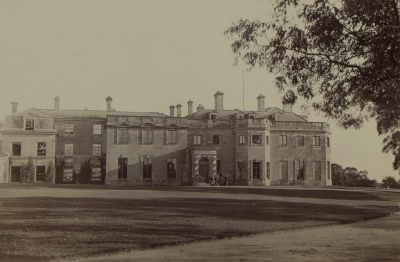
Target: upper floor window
{"x":97,"y":129}
{"x":122,"y":136}
{"x":147,"y":136}
{"x":171,"y":137}
{"x":69,"y":149}
{"x":328,"y":142}
{"x":316,"y":141}
{"x":213,"y":116}
{"x":69,"y":128}
{"x":29,"y":124}
{"x":197,"y":139}
{"x":278,"y":118}
{"x":241,"y":140}
{"x":282,"y":140}
{"x":171,"y":168}
{"x":256,"y":139}
{"x":300,"y":141}
{"x":215,"y":140}
{"x":16,"y":149}
{"x":96,"y":149}
{"x":267,"y":140}
{"x":41,"y":148}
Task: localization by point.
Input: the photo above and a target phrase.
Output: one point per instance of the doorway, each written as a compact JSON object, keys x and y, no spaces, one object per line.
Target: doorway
{"x":204,"y":167}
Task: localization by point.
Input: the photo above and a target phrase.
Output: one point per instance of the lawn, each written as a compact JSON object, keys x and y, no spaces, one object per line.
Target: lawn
{"x":66,"y":222}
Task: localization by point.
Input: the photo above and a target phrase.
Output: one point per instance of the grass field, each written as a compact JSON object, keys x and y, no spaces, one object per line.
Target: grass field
{"x":66,"y":222}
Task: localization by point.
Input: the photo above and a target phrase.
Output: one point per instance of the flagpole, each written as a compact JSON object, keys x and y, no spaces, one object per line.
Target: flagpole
{"x":243,"y":91}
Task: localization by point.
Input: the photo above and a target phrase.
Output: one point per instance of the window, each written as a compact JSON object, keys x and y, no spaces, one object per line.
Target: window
{"x":327,"y":142}
{"x":267,"y":140}
{"x":40,"y":173}
{"x":283,"y":170}
{"x":147,"y":136}
{"x":69,"y":128}
{"x":15,"y":174}
{"x":122,"y":136}
{"x":282,"y":140}
{"x":197,"y":139}
{"x":96,"y":174}
{"x":68,"y":174}
{"x":16,"y":149}
{"x":41,"y":148}
{"x":299,"y":169}
{"x":256,"y":170}
{"x":171,"y":168}
{"x":218,"y":166}
{"x":241,"y":140}
{"x":278,"y":118}
{"x":96,"y":129}
{"x":171,"y":137}
{"x":69,"y":149}
{"x":213,"y":117}
{"x":316,"y":141}
{"x":300,"y":141}
{"x":268,"y":170}
{"x":29,"y":124}
{"x":147,"y":167}
{"x":215,"y":140}
{"x":96,"y":149}
{"x":317,"y":170}
{"x":122,"y":167}
{"x":256,"y":139}
{"x":328,"y":168}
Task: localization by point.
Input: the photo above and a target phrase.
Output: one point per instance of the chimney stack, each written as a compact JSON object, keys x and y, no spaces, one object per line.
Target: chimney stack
{"x":109,"y":99}
{"x":200,"y":107}
{"x":190,"y":107}
{"x":172,"y":111}
{"x":14,"y":107}
{"x":178,"y":110}
{"x":261,"y":102}
{"x":56,"y":103}
{"x":287,"y":107}
{"x":219,"y":100}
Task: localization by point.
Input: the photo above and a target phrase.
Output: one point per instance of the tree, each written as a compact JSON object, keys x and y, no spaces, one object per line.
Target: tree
{"x":342,"y":57}
{"x":28,"y":171}
{"x":349,"y":176}
{"x":389,"y":182}
{"x":50,"y":174}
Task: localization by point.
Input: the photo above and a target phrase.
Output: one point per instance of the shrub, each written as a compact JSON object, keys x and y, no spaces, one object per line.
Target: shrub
{"x":50,"y":174}
{"x":28,"y":171}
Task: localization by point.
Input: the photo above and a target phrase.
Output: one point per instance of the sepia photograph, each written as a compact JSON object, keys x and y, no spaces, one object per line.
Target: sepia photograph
{"x":199,"y":130}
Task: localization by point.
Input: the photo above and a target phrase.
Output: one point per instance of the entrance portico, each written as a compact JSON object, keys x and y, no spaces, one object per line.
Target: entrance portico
{"x":204,"y":162}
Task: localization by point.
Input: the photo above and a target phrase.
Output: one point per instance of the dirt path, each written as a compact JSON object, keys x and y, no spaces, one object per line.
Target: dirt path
{"x":373,"y":240}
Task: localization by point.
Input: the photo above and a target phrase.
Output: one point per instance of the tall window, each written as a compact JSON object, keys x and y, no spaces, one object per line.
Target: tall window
{"x":40,"y":173}
{"x":256,"y":139}
{"x":171,"y":168}
{"x":215,"y":140}
{"x":317,"y":170}
{"x":218,"y":166}
{"x":16,"y":149}
{"x":41,"y":148}
{"x":268,"y":170}
{"x":96,"y":174}
{"x":300,"y":141}
{"x":68,"y":174}
{"x":147,"y":136}
{"x":29,"y":124}
{"x":69,"y":128}
{"x":299,"y":169}
{"x":69,"y":149}
{"x":282,"y":140}
{"x":241,"y":140}
{"x":328,"y":168}
{"x":96,"y":149}
{"x":97,"y":129}
{"x":278,"y":118}
{"x":197,"y":139}
{"x":122,"y":136}
{"x":257,"y":170}
{"x":283,"y":170}
{"x":15,"y":174}
{"x":328,"y":142}
{"x":122,"y":167}
{"x":316,"y":141}
{"x":147,"y":167}
{"x":171,"y":137}
{"x":267,"y":140}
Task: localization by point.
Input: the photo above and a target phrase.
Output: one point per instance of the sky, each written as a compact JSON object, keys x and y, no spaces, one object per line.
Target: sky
{"x":147,"y":55}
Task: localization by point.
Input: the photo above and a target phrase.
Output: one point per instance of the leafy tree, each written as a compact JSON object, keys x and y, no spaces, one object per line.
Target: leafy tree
{"x":349,"y":176}
{"x":28,"y":171}
{"x":50,"y":174}
{"x":342,"y":57}
{"x":389,"y":182}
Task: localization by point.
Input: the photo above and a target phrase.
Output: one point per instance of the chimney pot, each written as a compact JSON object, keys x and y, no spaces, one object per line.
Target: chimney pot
{"x":56,"y":103}
{"x":190,"y":107}
{"x":14,"y":107}
{"x":219,"y":100}
{"x":109,"y":99}
{"x":261,"y":103}
{"x":200,"y":107}
{"x":287,"y":107}
{"x":178,"y":110}
{"x":172,"y":111}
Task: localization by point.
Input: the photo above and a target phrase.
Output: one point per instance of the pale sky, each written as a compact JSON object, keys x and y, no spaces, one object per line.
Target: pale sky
{"x":146,"y":55}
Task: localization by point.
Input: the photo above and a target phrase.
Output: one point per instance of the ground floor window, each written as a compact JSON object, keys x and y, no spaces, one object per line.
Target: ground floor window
{"x":218,"y":166}
{"x":95,"y":176}
{"x":256,"y":170}
{"x":122,"y":167}
{"x":15,"y":174}
{"x":328,"y":167}
{"x":317,"y":170}
{"x":40,"y":173}
{"x":171,"y":168}
{"x":68,"y":174}
{"x":268,"y":170}
{"x":147,"y":167}
{"x":299,"y":169}
{"x":283,"y":170}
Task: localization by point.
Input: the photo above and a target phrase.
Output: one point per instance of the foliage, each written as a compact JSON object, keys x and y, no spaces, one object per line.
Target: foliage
{"x":349,"y":176}
{"x":50,"y":173}
{"x":28,"y":171}
{"x":346,"y":52}
{"x":83,"y":176}
{"x":390,"y":182}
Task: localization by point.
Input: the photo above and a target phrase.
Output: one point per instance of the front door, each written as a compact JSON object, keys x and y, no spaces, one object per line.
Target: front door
{"x":204,"y":167}
{"x":15,"y":174}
